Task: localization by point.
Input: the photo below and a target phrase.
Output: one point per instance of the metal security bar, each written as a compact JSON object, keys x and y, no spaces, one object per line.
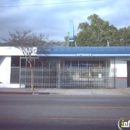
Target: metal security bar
{"x":14,"y":78}
{"x":80,"y":77}
{"x":43,"y":78}
{"x":68,"y":77}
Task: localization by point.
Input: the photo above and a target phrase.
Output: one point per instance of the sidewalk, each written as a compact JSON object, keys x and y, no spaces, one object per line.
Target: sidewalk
{"x":66,"y":91}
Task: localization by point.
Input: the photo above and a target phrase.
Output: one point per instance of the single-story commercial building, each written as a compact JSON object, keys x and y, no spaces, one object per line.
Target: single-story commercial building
{"x":67,"y":67}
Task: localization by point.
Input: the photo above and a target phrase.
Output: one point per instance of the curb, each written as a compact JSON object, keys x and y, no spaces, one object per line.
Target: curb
{"x":31,"y":93}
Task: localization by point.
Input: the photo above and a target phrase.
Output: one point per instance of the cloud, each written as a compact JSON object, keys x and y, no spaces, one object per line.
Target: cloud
{"x":53,"y":19}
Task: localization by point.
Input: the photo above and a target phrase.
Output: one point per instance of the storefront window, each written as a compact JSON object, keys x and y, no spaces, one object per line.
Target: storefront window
{"x":75,"y":63}
{"x":15,"y":61}
{"x":67,"y":63}
{"x":89,"y":63}
{"x":93,"y":63}
{"x":82,"y":64}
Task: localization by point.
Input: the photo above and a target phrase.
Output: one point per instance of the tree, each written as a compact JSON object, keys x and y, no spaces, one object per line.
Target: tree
{"x":97,"y":32}
{"x":27,"y":42}
{"x":124,"y":34}
{"x":71,"y":43}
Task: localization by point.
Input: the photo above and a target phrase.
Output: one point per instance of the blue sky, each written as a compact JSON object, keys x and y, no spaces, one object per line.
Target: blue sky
{"x":52,"y":17}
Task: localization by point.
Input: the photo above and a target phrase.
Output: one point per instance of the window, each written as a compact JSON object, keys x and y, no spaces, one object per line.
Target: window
{"x":23,"y":62}
{"x":102,"y":63}
{"x":82,"y":64}
{"x":67,"y":63}
{"x":93,"y":63}
{"x":75,"y":63}
{"x":15,"y":61}
{"x":38,"y":63}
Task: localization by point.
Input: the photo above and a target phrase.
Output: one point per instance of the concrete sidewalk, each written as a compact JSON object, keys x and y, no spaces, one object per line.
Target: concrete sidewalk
{"x":66,"y":91}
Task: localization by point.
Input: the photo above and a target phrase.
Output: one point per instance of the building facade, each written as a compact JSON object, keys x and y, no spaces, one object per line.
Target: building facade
{"x":67,"y":67}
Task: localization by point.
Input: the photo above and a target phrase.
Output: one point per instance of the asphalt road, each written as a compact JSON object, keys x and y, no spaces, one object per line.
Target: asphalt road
{"x":58,"y":112}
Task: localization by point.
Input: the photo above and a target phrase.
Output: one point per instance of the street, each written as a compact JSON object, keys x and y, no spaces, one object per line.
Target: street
{"x":58,"y":112}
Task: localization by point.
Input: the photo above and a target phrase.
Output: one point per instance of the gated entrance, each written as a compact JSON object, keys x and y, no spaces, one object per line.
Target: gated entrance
{"x":57,"y":73}
{"x":68,"y":77}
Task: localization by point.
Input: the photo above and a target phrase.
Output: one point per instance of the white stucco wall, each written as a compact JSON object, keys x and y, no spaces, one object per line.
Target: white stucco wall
{"x":120,"y":66}
{"x":5,"y":65}
{"x":5,"y":68}
{"x":8,"y":51}
{"x":12,"y":51}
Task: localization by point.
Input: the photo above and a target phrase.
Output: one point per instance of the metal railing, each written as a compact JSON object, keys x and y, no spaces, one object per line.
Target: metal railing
{"x":68,"y":77}
{"x":14,"y":78}
{"x":46,"y":77}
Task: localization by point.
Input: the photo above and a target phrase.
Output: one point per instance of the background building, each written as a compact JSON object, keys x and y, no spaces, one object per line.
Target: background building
{"x":67,"y":67}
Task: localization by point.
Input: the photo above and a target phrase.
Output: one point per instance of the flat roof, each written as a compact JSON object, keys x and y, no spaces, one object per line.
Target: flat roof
{"x":116,"y":51}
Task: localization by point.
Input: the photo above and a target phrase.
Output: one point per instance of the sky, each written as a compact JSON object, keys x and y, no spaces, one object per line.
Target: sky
{"x":52,"y":17}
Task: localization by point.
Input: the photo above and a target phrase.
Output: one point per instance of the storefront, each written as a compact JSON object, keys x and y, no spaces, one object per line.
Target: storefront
{"x":68,"y":67}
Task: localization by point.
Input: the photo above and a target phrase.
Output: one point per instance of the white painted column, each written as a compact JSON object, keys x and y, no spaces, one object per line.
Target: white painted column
{"x":113,"y":69}
{"x":5,"y":69}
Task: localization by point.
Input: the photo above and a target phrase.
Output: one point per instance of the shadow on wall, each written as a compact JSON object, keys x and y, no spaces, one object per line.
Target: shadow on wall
{"x":1,"y":60}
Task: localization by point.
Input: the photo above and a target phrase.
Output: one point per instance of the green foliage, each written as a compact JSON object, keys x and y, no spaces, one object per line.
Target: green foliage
{"x":97,"y":32}
{"x":66,"y":41}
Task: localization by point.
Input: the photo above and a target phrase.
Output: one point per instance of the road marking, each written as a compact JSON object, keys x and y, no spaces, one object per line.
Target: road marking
{"x":88,"y":100}
{"x":60,"y":118}
{"x":56,"y":106}
{"x":108,"y":107}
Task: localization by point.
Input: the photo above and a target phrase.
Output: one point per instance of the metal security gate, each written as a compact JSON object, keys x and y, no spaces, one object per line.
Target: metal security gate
{"x":80,"y":77}
{"x":14,"y":77}
{"x":68,"y":77}
{"x":43,"y":77}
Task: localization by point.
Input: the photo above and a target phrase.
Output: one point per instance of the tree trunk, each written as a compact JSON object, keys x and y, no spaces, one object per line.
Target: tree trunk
{"x":32,"y":77}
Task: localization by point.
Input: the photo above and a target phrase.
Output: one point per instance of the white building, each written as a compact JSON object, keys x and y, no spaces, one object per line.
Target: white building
{"x":75,"y":67}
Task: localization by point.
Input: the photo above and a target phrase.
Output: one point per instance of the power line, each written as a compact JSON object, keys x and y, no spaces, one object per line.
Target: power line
{"x":71,"y":2}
